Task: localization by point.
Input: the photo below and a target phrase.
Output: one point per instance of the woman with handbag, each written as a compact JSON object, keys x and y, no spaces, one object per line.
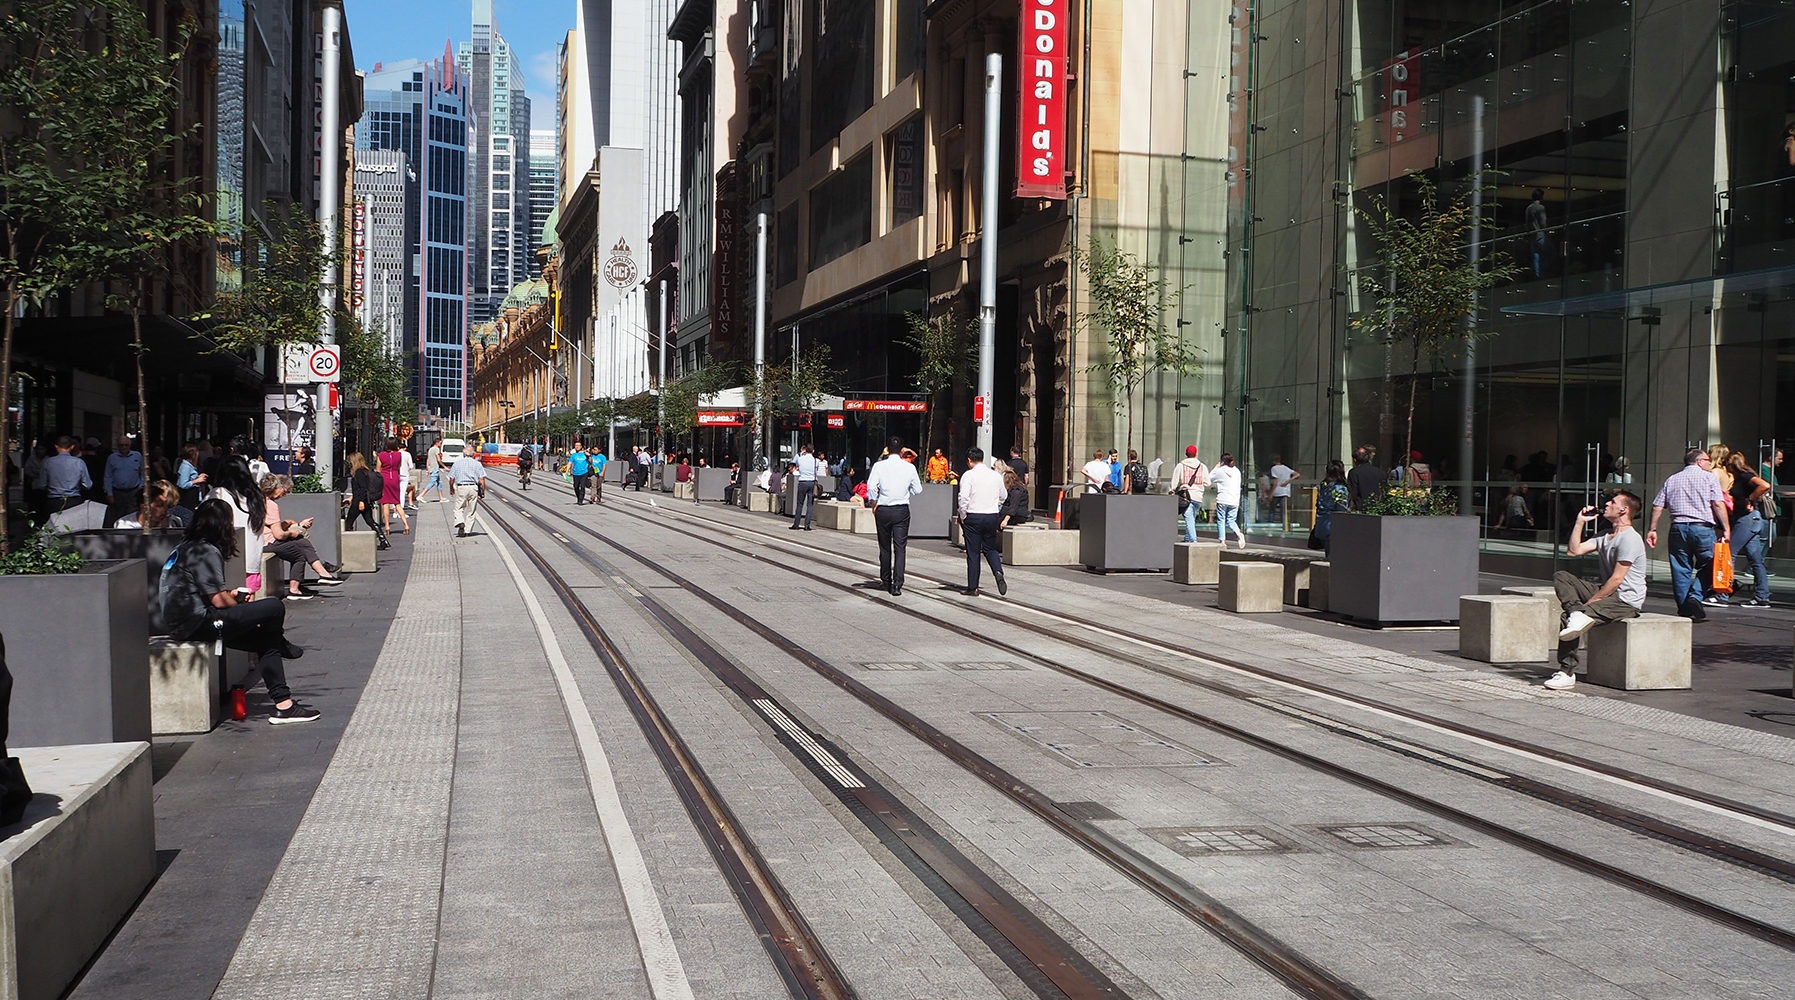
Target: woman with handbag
{"x":1750,"y":532}
{"x":1330,"y":498}
{"x":1189,"y":480}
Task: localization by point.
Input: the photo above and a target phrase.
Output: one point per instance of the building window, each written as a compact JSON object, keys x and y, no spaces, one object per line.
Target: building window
{"x":907,"y":39}
{"x":785,"y":252}
{"x":841,"y":213}
{"x":842,"y":74}
{"x":903,"y":165}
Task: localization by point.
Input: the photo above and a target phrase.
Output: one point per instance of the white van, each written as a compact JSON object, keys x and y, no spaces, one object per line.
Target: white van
{"x":453,"y":449}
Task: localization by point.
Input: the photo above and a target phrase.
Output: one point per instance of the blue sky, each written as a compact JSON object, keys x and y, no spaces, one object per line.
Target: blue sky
{"x":391,"y":30}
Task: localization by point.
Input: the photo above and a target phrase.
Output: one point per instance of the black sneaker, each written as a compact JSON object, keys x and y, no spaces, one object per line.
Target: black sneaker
{"x":1003,"y":586}
{"x":298,"y":713}
{"x":291,"y":652}
{"x":1753,"y":603}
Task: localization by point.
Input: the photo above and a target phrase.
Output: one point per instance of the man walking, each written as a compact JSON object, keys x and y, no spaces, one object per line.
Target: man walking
{"x":1281,"y":477}
{"x":1190,"y":480}
{"x":65,"y":476}
{"x":1365,"y":479}
{"x":1019,"y":465}
{"x":805,"y":513}
{"x":579,"y":466}
{"x":889,"y":488}
{"x":123,"y":481}
{"x":981,"y":511}
{"x":433,"y":464}
{"x":1696,"y":506}
{"x":1621,"y":555}
{"x":644,"y":466}
{"x":468,"y":477}
{"x":598,"y":461}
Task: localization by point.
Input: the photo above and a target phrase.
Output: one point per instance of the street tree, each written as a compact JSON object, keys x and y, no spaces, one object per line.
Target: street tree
{"x":1425,"y":292}
{"x":279,"y":300}
{"x":375,"y":373}
{"x":948,"y":351}
{"x":85,"y":91}
{"x":682,"y":397}
{"x":1128,"y":300}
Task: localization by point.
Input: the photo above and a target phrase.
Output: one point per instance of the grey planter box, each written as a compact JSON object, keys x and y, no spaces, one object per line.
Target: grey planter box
{"x":932,"y":510}
{"x":1119,"y":531}
{"x":326,"y":511}
{"x":613,"y":472}
{"x":153,"y":547}
{"x":665,"y":475}
{"x":78,"y":647}
{"x":711,"y":483}
{"x":1401,"y":569}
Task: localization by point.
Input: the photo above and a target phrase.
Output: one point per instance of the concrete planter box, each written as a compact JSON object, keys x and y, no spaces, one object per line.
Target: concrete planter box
{"x":1033,"y":547}
{"x":1401,"y":569}
{"x":1120,"y":532}
{"x":76,"y":864}
{"x":932,"y":510}
{"x":711,"y":483}
{"x":326,"y":512}
{"x":613,"y":472}
{"x":834,"y":515}
{"x":78,"y":646}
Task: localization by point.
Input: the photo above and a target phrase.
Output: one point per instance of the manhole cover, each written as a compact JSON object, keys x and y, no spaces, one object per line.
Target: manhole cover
{"x":1204,"y":841}
{"x":1097,"y":739}
{"x":893,"y":665}
{"x":1384,"y":836}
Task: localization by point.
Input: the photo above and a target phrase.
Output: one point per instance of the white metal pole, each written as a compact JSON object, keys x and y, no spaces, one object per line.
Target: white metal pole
{"x":330,"y":197}
{"x":660,"y":400}
{"x":611,"y":356}
{"x":760,"y":326}
{"x":988,"y":254}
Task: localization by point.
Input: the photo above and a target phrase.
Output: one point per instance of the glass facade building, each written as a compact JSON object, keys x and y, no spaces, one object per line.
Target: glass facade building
{"x":1639,"y":177}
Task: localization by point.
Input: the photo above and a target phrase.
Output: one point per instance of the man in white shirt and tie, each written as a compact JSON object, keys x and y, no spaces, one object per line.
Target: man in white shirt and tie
{"x":805,"y":494}
{"x":889,"y":488}
{"x":981,"y":505}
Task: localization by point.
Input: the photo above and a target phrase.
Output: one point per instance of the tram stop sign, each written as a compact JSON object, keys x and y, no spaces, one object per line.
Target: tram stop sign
{"x":324,"y":363}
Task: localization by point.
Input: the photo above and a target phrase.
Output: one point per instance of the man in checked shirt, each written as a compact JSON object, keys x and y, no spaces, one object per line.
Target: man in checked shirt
{"x":1697,"y":513}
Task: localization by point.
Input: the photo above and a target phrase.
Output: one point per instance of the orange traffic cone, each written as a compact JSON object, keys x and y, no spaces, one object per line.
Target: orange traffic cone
{"x":1059,"y":507}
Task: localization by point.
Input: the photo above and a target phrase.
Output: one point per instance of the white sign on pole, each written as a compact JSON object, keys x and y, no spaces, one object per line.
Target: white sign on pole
{"x":324,"y":364}
{"x":293,"y":362}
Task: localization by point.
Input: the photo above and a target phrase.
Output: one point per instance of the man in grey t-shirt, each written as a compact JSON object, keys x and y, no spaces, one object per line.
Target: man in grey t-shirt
{"x":1621,"y":555}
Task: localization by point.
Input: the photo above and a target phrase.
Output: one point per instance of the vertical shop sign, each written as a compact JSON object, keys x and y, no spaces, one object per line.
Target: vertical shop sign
{"x":723,"y":269}
{"x":1041,"y":109}
{"x":1402,"y":93}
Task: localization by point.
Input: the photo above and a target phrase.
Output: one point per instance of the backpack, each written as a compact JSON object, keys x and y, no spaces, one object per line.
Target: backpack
{"x":1137,"y":477}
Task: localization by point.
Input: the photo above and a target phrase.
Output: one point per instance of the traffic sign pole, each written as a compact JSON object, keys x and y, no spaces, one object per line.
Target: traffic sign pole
{"x":330,"y":197}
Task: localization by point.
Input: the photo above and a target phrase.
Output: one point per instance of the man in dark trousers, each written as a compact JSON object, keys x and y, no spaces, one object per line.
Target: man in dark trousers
{"x":889,"y":488}
{"x":1365,"y":479}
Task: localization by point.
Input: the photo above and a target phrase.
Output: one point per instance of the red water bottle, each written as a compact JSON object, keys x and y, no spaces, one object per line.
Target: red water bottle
{"x":239,"y":708}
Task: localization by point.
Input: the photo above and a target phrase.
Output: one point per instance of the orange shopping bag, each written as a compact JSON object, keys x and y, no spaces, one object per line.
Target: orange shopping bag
{"x":1723,"y":568}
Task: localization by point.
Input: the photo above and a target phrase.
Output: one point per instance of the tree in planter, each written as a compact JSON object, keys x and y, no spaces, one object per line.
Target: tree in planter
{"x":1426,"y":291}
{"x":77,"y":77}
{"x":948,"y":349}
{"x":682,"y":397}
{"x":1128,"y":299}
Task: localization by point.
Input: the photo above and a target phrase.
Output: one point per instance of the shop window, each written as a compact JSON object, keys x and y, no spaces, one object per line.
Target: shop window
{"x":903,"y":170}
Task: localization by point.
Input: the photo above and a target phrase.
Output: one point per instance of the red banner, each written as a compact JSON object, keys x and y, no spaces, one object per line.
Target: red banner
{"x":1402,"y":94}
{"x":886,"y":405}
{"x":720,"y":418}
{"x":837,"y":421}
{"x":1041,"y":110}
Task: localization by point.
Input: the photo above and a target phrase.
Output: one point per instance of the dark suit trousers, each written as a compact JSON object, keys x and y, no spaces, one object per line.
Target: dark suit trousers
{"x":893,"y":524}
{"x":982,"y":538}
{"x":806,"y":503}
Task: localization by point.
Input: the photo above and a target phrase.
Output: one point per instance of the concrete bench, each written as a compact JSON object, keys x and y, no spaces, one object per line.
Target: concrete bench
{"x":1318,"y":585}
{"x":77,"y":863}
{"x":862,"y":520}
{"x":1196,"y":562}
{"x":1551,"y":614}
{"x":1251,"y":587}
{"x":358,"y":552}
{"x":1033,"y":547}
{"x":835,"y":515}
{"x":1501,"y":628}
{"x":185,"y":682}
{"x":1647,"y":653}
{"x":760,"y":501}
{"x":687,"y":490}
{"x":1295,"y":563}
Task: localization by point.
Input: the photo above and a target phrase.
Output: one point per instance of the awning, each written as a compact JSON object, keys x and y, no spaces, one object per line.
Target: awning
{"x":737,"y":399}
{"x":1749,"y":288}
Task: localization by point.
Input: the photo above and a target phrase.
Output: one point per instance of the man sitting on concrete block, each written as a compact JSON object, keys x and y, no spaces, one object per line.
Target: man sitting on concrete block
{"x":1621,"y":555}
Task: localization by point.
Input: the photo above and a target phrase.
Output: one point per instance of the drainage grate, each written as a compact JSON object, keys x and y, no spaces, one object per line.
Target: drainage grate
{"x":1384,"y":836}
{"x":1090,"y":812}
{"x":1206,"y":841}
{"x":893,"y":665}
{"x":987,"y":665}
{"x":1097,"y":739}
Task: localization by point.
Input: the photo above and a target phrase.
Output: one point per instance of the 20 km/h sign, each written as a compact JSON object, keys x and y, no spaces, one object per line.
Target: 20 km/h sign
{"x":324,"y":363}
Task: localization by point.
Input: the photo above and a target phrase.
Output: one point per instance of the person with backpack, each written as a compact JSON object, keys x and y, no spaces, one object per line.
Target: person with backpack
{"x":526,"y":462}
{"x":1134,"y":475}
{"x":1332,"y":498}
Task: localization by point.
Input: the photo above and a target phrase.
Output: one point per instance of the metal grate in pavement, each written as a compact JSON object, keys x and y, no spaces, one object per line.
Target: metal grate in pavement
{"x":1387,"y":836}
{"x":1097,"y":739}
{"x":1207,"y":841}
{"x":891,"y":665}
{"x":986,"y":665}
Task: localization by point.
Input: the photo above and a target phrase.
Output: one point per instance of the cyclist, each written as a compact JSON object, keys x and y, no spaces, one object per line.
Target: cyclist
{"x":526,"y":461}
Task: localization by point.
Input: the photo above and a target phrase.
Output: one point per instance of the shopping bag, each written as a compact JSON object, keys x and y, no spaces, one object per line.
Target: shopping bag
{"x":1723,"y":568}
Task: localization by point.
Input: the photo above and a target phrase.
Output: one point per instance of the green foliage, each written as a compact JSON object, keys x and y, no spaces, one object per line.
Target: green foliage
{"x":681,"y":397}
{"x":1127,"y":302}
{"x":374,"y":373}
{"x":311,"y":482}
{"x":279,"y":300}
{"x":43,"y":551}
{"x":948,"y":347}
{"x":1412,"y":501}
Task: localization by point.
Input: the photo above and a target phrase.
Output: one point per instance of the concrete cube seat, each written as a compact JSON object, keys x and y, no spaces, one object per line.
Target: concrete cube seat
{"x":1294,"y":562}
{"x":1318,"y":585}
{"x":1647,"y":653}
{"x":185,"y":681}
{"x":77,"y":863}
{"x":760,"y":501}
{"x":861,"y":520}
{"x":1027,"y":547}
{"x":358,"y":552}
{"x":1251,"y":587}
{"x":1196,"y":562}
{"x":1501,"y":628}
{"x":1551,"y":613}
{"x":834,"y":515}
{"x":685,"y":491}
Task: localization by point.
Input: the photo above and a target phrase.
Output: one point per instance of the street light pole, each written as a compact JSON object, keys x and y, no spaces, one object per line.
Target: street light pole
{"x":330,"y":196}
{"x":988,"y":254}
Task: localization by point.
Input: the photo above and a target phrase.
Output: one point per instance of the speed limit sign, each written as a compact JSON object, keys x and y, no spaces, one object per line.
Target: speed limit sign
{"x":325,"y":363}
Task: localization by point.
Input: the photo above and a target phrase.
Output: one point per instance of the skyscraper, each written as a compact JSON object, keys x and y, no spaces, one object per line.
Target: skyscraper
{"x":386,"y":218}
{"x":423,"y":110}
{"x":500,"y":179}
{"x":544,"y":192}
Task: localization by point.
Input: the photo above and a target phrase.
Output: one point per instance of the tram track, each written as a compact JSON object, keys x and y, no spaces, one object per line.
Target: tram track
{"x":1747,"y":858}
{"x":1026,"y":945}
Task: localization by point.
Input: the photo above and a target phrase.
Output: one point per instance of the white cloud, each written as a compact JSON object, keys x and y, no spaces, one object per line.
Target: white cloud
{"x":545,"y":72}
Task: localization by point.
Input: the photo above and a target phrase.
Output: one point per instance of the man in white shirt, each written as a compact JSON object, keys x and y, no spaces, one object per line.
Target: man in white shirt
{"x":468,"y":476}
{"x":806,"y":490}
{"x":433,"y":463}
{"x":1096,"y":472}
{"x":1281,"y":477}
{"x":1225,"y":477}
{"x":889,"y":488}
{"x":981,"y":504}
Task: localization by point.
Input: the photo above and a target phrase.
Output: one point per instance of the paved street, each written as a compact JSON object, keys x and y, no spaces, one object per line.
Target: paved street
{"x":481,"y":814}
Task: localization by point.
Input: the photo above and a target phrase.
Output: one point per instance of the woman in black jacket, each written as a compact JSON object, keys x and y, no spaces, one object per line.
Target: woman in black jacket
{"x":365,"y":487}
{"x":1015,"y":505}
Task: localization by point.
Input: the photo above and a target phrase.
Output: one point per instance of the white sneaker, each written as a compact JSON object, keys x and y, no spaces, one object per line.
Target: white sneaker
{"x":1574,"y":626}
{"x":1561,"y":681}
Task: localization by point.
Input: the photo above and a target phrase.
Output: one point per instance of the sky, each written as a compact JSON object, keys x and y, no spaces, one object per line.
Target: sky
{"x":391,"y":30}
